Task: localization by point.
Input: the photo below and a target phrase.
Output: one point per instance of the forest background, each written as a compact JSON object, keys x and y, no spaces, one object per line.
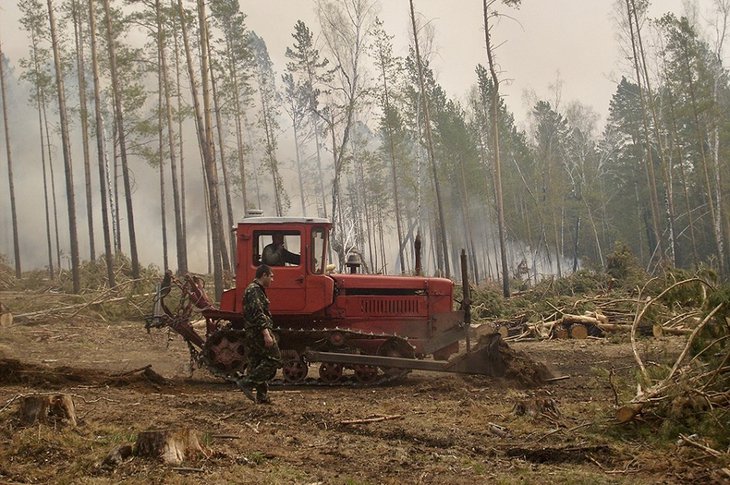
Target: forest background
{"x":318,"y":109}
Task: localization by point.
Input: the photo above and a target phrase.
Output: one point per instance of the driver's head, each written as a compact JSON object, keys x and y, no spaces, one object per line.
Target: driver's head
{"x":278,"y":238}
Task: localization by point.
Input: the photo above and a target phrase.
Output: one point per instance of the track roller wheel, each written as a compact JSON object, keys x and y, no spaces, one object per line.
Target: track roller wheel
{"x":365,"y":374}
{"x":395,"y":347}
{"x":293,"y":367}
{"x":330,"y":372}
{"x":226,"y":352}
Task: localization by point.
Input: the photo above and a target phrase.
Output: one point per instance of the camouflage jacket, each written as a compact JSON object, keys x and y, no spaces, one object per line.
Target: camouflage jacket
{"x":256,"y":308}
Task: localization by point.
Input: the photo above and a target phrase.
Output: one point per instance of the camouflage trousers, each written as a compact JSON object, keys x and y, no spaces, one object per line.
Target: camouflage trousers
{"x":262,"y":362}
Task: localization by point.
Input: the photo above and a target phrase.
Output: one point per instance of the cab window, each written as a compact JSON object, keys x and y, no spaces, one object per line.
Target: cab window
{"x":277,"y":248}
{"x":318,"y":250}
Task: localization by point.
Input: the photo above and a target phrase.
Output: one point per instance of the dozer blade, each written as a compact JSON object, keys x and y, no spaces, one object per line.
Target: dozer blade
{"x":485,"y":359}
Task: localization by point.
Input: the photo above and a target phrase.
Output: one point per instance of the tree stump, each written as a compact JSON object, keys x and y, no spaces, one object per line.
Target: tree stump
{"x":171,"y":446}
{"x":6,"y":318}
{"x":53,"y":410}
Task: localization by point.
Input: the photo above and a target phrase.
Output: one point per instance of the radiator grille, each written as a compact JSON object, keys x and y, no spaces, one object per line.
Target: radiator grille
{"x":377,"y":306}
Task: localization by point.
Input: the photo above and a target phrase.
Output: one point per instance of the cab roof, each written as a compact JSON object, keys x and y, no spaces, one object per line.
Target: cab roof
{"x":283,"y":220}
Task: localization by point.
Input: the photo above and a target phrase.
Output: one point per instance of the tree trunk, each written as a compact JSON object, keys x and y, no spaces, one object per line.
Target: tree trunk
{"x":84,"y":115}
{"x":665,"y":160}
{"x":497,"y":161}
{"x":119,"y":115}
{"x":53,"y":184}
{"x":100,"y":149}
{"x":430,"y":149}
{"x":11,"y":185}
{"x":180,"y":243}
{"x":648,"y":161}
{"x":226,"y":184}
{"x":204,"y":141}
{"x":65,"y":139}
{"x":161,"y":149}
{"x":218,"y":243}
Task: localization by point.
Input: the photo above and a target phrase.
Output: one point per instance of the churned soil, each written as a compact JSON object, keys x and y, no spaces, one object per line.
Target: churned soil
{"x":428,"y":428}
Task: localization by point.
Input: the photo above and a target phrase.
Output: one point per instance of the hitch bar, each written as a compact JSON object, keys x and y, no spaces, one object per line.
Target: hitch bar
{"x":397,"y":362}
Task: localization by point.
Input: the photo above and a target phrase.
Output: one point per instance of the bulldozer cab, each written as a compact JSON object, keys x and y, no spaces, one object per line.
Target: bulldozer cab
{"x":296,"y":250}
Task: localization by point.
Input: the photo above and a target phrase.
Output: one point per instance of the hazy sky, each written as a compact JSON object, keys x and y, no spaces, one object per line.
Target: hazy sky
{"x":575,"y":38}
{"x":544,"y":39}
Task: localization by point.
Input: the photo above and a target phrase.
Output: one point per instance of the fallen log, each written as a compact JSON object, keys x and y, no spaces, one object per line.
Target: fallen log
{"x":170,"y":446}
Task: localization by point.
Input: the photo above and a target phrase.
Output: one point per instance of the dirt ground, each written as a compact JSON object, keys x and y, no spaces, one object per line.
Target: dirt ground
{"x":440,"y":428}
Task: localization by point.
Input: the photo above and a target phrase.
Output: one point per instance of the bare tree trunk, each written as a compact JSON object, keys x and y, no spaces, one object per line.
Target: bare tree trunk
{"x":429,"y":146}
{"x":84,"y":115}
{"x":70,"y":197}
{"x":665,"y":161}
{"x":100,"y":149}
{"x":11,"y":185}
{"x":40,"y":98}
{"x":119,"y":114}
{"x":161,"y":150}
{"x":204,"y":138}
{"x":497,"y":160}
{"x":219,"y":238}
{"x":393,"y":172}
{"x":648,"y":161}
{"x":226,"y":185}
{"x":178,"y":87}
{"x":180,"y":243}
{"x":53,"y":185}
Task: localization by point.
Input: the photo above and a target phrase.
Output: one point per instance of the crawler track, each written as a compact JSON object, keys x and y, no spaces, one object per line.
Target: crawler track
{"x":223,"y":354}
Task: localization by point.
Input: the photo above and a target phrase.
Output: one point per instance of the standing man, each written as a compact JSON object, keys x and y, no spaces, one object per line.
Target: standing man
{"x":263,"y":351}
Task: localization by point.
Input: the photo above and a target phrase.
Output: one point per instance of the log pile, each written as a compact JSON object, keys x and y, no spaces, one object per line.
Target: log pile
{"x":604,"y":315}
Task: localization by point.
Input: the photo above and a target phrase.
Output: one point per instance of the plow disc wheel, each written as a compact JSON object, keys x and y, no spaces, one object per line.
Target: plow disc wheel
{"x":293,"y":367}
{"x":330,"y":372}
{"x":226,"y":352}
{"x":366,"y":373}
{"x":396,"y":348}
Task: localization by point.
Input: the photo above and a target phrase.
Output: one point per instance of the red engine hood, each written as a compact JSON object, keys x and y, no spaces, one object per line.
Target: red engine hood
{"x":430,"y":285}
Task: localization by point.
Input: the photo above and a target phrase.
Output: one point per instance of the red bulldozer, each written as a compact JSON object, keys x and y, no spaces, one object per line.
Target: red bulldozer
{"x":356,"y":328}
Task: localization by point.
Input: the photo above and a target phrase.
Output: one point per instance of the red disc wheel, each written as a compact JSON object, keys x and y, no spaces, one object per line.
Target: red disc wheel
{"x":366,"y":374}
{"x":293,"y":368}
{"x":225,"y":351}
{"x":330,"y":372}
{"x":396,"y":348}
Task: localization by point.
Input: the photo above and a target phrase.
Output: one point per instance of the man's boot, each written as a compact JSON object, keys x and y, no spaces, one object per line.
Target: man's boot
{"x":262,"y":394}
{"x":247,"y":389}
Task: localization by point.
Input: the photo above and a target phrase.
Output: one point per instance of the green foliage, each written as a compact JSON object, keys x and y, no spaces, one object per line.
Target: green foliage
{"x":685,"y":295}
{"x":487,"y":301}
{"x":623,"y":266}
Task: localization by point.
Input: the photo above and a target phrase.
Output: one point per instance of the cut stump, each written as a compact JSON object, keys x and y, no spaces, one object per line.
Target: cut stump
{"x":6,"y":318}
{"x":171,"y":446}
{"x":53,"y":410}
